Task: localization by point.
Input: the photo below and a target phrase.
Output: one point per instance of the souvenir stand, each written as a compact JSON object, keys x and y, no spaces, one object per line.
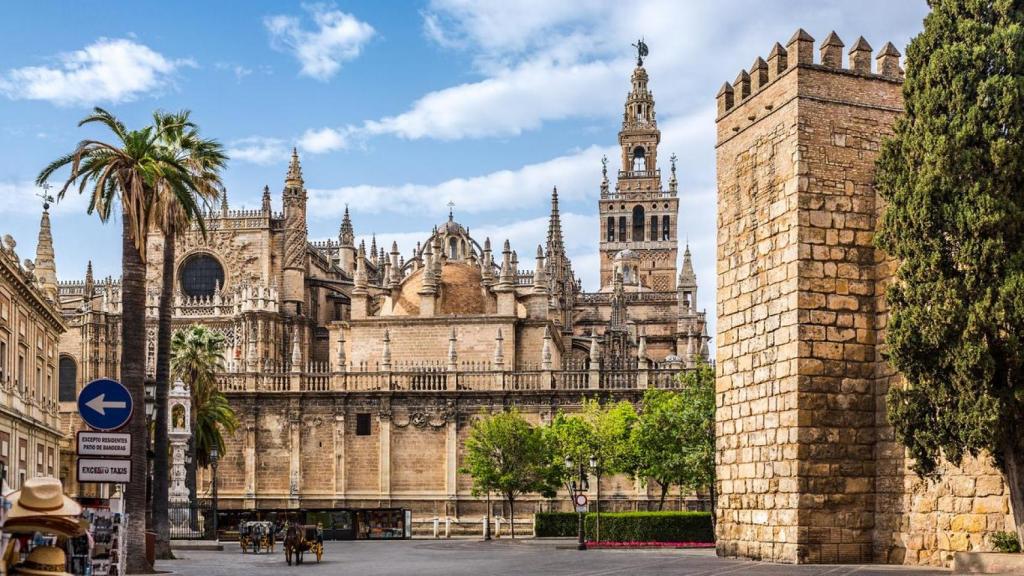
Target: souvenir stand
{"x":39,"y":522}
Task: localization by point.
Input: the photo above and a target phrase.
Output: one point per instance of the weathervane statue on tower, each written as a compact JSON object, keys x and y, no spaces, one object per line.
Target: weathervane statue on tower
{"x":641,"y":51}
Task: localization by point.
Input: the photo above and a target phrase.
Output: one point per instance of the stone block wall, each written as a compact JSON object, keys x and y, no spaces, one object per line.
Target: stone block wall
{"x":809,"y":469}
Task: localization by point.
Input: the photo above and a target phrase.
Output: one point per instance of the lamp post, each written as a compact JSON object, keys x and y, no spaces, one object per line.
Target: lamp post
{"x":213,"y":464}
{"x":577,"y":489}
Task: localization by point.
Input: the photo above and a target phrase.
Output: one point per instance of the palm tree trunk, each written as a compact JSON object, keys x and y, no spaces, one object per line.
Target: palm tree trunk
{"x":133,"y":370}
{"x":161,"y":523}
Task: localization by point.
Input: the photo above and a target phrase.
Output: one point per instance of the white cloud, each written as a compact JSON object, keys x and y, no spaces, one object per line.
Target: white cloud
{"x":258,"y":150}
{"x":490,"y":192}
{"x":323,"y":140}
{"x":509,"y":102}
{"x":338,"y":37}
{"x":22,"y":198}
{"x":108,"y":70}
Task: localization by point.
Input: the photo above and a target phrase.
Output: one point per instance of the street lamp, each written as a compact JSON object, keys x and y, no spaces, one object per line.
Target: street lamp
{"x":576,"y":491}
{"x":213,"y":463}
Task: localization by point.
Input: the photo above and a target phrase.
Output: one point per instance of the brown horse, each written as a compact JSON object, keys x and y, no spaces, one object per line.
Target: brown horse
{"x":294,"y":544}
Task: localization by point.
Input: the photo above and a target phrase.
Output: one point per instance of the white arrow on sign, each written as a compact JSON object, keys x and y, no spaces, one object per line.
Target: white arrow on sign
{"x":100,"y":406}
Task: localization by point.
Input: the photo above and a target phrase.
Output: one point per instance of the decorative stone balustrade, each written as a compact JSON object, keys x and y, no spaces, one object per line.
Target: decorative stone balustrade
{"x":435,"y":377}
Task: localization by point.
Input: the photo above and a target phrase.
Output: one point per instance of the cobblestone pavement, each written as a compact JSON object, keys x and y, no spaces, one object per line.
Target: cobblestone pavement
{"x":474,"y":558}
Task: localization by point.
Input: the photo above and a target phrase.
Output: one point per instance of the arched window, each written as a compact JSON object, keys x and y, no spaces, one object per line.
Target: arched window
{"x":639,"y":163}
{"x":638,"y":223}
{"x":68,"y":379}
{"x":622,"y":228}
{"x":453,"y":248}
{"x":611,"y":228}
{"x":666,"y":227}
{"x":200,"y":275}
{"x":654,"y":227}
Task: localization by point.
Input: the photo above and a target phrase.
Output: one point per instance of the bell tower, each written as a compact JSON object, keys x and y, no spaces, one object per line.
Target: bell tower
{"x":639,"y":218}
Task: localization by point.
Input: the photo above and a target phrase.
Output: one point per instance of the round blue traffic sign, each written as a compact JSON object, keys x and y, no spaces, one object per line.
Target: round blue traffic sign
{"x":105,"y":404}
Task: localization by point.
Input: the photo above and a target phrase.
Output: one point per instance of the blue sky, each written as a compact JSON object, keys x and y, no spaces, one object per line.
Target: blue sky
{"x":397,"y":108}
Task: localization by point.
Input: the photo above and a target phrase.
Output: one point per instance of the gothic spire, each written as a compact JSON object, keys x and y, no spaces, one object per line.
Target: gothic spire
{"x":294,"y":177}
{"x":346,"y":235}
{"x":604,"y":176}
{"x":266,"y":199}
{"x":673,"y":183}
{"x":224,"y":202}
{"x":46,"y":268}
{"x":556,"y":243}
{"x":90,"y":284}
{"x":687,"y":277}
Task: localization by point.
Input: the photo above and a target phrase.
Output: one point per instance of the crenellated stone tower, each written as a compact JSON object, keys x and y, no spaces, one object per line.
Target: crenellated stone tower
{"x":639,"y":219}
{"x":295,"y":239}
{"x":798,"y":302}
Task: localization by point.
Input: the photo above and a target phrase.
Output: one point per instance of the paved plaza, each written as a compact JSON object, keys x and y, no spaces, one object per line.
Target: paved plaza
{"x":474,"y":558}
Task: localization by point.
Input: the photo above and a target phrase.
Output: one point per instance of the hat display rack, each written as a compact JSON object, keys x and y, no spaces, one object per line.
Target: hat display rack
{"x":40,"y":524}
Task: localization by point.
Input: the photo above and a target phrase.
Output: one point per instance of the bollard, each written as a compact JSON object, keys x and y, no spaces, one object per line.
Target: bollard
{"x":435,"y":527}
{"x":447,"y":527}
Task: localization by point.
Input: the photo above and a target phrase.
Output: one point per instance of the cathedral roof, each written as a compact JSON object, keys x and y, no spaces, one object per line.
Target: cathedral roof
{"x":460,"y":291}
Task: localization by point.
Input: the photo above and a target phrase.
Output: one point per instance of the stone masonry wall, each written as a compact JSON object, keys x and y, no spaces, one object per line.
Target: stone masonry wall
{"x":756,"y":385}
{"x":808,"y":467}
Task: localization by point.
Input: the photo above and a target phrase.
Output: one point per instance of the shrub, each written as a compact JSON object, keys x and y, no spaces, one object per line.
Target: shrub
{"x":555,"y":524}
{"x":629,"y":526}
{"x":1005,"y":542}
{"x":653,"y":527}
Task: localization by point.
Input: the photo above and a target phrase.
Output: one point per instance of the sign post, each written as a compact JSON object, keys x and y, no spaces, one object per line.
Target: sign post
{"x":105,"y":404}
{"x":104,"y":455}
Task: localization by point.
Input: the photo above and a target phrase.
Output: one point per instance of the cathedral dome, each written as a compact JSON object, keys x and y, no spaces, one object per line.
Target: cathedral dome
{"x":460,"y":291}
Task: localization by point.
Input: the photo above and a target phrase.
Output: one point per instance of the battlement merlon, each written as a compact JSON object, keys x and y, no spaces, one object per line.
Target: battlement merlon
{"x":799,"y":54}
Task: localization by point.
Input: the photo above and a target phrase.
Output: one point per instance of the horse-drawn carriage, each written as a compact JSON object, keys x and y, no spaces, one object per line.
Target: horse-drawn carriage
{"x":256,"y":536}
{"x":302,"y":538}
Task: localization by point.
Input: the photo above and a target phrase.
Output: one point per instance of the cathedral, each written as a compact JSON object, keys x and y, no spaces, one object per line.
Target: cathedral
{"x":356,"y":370}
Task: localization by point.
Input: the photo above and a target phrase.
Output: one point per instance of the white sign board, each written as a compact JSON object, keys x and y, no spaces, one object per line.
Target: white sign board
{"x":103,"y":470}
{"x":109,"y":444}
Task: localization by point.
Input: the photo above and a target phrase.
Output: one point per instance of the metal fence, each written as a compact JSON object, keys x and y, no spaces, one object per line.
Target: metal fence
{"x":191,"y":522}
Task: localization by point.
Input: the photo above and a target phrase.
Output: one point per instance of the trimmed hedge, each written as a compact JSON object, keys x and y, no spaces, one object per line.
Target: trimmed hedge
{"x":653,"y":527}
{"x":555,"y":524}
{"x":630,"y":526}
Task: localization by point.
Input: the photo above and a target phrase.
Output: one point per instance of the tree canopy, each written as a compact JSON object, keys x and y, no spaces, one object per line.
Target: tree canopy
{"x":508,"y":455}
{"x":952,"y":178}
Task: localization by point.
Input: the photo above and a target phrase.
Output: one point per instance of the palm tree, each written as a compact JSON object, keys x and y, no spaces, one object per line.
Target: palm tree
{"x":203,"y":159}
{"x":127,"y":172}
{"x":197,"y":355}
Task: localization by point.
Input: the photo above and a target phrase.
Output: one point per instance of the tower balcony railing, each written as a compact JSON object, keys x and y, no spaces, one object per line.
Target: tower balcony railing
{"x":435,"y":378}
{"x":640,"y":173}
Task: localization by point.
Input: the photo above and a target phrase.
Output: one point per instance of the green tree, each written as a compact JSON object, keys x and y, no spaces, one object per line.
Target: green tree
{"x":657,"y":440}
{"x":697,"y":430}
{"x":203,"y":159}
{"x":197,"y":356}
{"x":508,"y":455}
{"x":126,"y":172}
{"x":952,"y":178}
{"x":598,"y":433}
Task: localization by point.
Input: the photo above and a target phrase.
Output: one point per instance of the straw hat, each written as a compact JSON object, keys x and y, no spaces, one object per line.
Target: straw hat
{"x":43,"y":561}
{"x":41,"y":497}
